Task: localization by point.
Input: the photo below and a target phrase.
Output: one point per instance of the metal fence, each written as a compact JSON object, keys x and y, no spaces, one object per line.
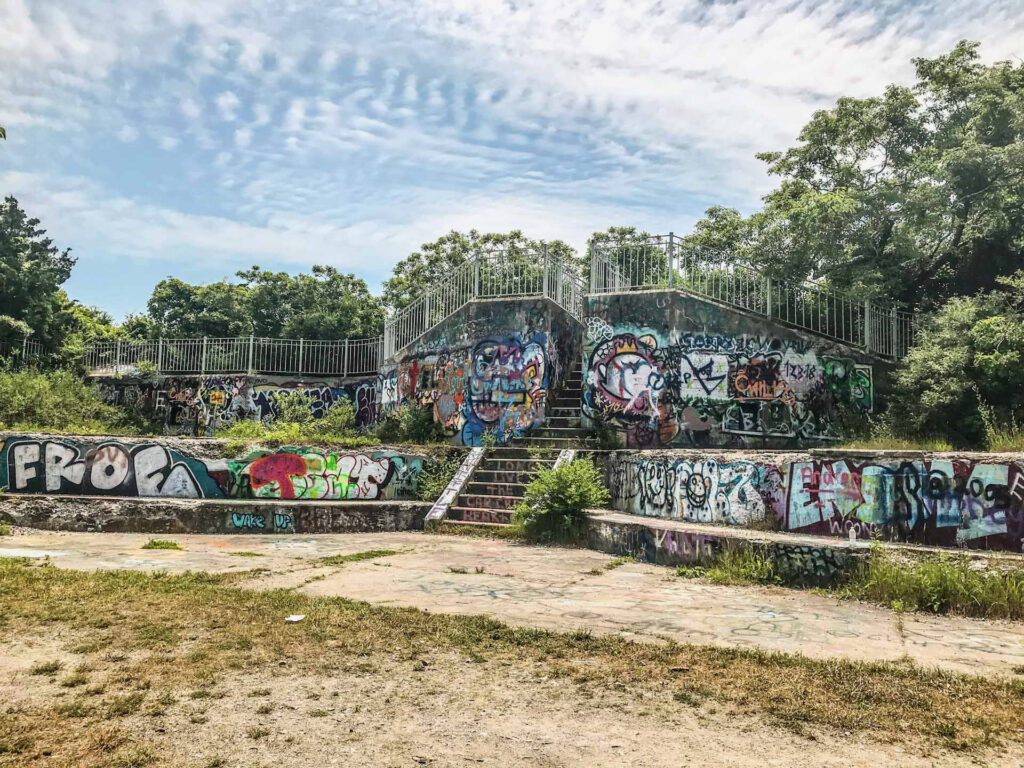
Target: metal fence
{"x":660,"y":262}
{"x":506,"y":273}
{"x":242,"y":354}
{"x":22,"y":354}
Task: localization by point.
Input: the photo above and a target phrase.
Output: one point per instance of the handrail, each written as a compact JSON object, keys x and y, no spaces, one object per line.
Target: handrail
{"x":659,"y":262}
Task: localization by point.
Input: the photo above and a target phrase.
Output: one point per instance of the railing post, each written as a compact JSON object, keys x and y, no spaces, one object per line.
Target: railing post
{"x":160,"y":355}
{"x":252,"y":345}
{"x":867,"y":325}
{"x":202,"y":359}
{"x":545,"y":268}
{"x":593,"y":270}
{"x":768,"y":303}
{"x":426,"y":310}
{"x":894,"y":326}
{"x":301,"y":350}
{"x":671,"y":259}
{"x":117,"y":357}
{"x":344,"y":365}
{"x":476,"y":276}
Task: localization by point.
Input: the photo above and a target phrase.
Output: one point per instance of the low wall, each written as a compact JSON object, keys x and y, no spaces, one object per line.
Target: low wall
{"x":181,"y":468}
{"x":200,"y":405}
{"x":142,"y":515}
{"x":941,"y":499}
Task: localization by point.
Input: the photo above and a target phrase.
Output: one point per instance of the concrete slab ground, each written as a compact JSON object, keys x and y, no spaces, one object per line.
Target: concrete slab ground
{"x":555,"y":588}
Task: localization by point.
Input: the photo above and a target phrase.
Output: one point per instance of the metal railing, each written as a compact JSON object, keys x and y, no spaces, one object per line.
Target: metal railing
{"x":660,"y":262}
{"x":241,"y":354}
{"x":508,"y":273}
{"x":22,"y":354}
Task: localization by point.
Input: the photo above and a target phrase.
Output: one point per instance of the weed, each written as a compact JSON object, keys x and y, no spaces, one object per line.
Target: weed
{"x":5,"y":529}
{"x":161,"y":544}
{"x":257,"y":732}
{"x":356,"y":557}
{"x":46,"y":668}
{"x":319,"y":713}
{"x":611,"y":565}
{"x":247,"y":554}
{"x":457,"y":569}
{"x":555,"y":503}
{"x":74,"y":680}
{"x":128,"y":704}
{"x":264,"y":709}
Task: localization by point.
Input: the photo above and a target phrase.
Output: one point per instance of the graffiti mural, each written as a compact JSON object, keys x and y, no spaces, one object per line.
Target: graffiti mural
{"x":113,"y":468}
{"x":104,"y":469}
{"x":941,"y":501}
{"x":307,"y":473}
{"x":703,"y":390}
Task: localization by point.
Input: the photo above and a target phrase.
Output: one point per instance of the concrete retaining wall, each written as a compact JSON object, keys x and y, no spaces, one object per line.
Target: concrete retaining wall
{"x":142,"y":515}
{"x":181,"y":468}
{"x":941,"y":499}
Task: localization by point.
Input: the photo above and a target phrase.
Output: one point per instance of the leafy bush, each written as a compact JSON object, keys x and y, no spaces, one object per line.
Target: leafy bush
{"x":55,"y":402}
{"x":410,"y":425}
{"x":437,"y":472}
{"x":293,"y":408}
{"x":554,"y":506}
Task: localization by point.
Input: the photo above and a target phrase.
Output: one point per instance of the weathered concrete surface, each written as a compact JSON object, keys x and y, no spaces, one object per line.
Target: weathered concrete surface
{"x":560,"y":589}
{"x":151,"y":515}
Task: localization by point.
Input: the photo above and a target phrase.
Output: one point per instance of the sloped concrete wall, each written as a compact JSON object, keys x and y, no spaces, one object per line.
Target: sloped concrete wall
{"x":486,"y":369}
{"x":942,"y":499}
{"x":665,"y":369}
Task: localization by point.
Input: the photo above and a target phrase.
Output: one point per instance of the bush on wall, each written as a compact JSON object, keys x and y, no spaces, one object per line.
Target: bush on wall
{"x":554,"y":506}
{"x":57,"y":401}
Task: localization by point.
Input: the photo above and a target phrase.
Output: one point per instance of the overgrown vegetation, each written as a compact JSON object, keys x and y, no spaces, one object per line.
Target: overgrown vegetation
{"x":356,"y":557}
{"x":555,"y":503}
{"x":161,"y":544}
{"x":409,"y":425}
{"x":437,"y":472}
{"x":294,"y":424}
{"x":128,"y":629}
{"x":943,"y":583}
{"x":57,"y":401}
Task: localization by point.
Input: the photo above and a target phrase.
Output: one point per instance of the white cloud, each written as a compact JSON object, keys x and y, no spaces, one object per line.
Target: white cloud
{"x":127,"y":134}
{"x":167,"y":143}
{"x":227,"y":105}
{"x":243,"y":137}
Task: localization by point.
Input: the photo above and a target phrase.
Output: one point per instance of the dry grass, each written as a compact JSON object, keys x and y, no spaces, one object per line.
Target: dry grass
{"x":148,"y":639}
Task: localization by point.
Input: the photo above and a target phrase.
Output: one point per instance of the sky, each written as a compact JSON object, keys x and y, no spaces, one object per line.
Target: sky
{"x":192,"y":139}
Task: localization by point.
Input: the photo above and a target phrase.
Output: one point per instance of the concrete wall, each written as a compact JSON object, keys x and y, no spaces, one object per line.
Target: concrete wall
{"x":971,"y":500}
{"x":488,"y":368}
{"x":200,"y":405}
{"x":181,"y":468}
{"x":665,"y":369}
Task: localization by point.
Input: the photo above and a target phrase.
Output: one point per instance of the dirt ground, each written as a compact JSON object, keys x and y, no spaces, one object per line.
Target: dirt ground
{"x":448,"y":712}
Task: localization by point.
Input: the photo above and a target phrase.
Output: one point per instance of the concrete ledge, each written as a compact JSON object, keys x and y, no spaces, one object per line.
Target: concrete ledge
{"x":153,"y":515}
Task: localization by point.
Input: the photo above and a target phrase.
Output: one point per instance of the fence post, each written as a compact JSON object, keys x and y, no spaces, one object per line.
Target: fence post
{"x":344,"y":365}
{"x":160,"y":355}
{"x":301,"y":350}
{"x":117,"y":357}
{"x":867,"y":325}
{"x":545,"y":287}
{"x":671,"y":259}
{"x":894,"y":326}
{"x":252,"y":344}
{"x":768,"y":308}
{"x":476,"y":276}
{"x":202,"y":359}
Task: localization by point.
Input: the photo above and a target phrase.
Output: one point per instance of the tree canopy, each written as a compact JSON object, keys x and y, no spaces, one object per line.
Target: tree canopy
{"x":915,"y":195}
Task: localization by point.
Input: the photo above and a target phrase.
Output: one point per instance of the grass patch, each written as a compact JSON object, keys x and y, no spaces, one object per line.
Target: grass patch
{"x":161,"y":544}
{"x":892,"y":443}
{"x":355,"y":557}
{"x":247,"y":554}
{"x":506,"y":533}
{"x":886,"y":701}
{"x":5,"y":529}
{"x":48,"y":668}
{"x":943,"y":583}
{"x":617,"y":562}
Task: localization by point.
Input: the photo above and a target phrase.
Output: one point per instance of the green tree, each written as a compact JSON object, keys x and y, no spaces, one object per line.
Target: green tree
{"x":917,"y":195}
{"x":962,"y":378}
{"x":177,"y":308}
{"x":437,"y":260}
{"x":32,"y":269}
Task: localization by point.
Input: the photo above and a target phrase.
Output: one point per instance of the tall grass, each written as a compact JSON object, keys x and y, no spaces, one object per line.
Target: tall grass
{"x":56,"y":401}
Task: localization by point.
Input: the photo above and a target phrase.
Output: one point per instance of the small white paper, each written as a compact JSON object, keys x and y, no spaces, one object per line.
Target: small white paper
{"x":294,"y":618}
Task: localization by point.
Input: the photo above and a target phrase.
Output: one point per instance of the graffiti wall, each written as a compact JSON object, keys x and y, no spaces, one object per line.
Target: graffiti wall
{"x":942,"y":500}
{"x":663,"y":369}
{"x":66,"y":466}
{"x":487,"y":369}
{"x":201,"y":405}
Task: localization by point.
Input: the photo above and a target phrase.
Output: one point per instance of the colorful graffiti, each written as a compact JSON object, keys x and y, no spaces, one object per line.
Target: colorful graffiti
{"x":706,"y":389}
{"x":295,"y":473}
{"x":109,"y":468}
{"x":939,"y":501}
{"x":113,"y":468}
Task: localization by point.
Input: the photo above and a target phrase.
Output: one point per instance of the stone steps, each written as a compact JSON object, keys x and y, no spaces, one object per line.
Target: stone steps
{"x":480,"y":515}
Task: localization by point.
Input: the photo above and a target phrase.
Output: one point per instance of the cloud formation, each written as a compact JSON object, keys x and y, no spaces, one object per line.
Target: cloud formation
{"x":227,"y":133}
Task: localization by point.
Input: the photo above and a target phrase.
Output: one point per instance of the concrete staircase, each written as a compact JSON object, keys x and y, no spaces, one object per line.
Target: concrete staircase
{"x":498,"y":485}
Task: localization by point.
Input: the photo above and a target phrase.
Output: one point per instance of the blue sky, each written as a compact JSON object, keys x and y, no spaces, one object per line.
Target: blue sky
{"x":193,"y":139}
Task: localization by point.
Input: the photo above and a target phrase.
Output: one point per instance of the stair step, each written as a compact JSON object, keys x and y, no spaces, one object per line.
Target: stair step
{"x":485,"y":487}
{"x":515,"y":465}
{"x":563,"y":422}
{"x":486,"y":501}
{"x":565,"y":412}
{"x":511,"y":477}
{"x":481,"y":516}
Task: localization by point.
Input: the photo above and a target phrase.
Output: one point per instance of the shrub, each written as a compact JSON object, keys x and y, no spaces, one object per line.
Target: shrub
{"x":410,"y":425}
{"x":554,"y":506}
{"x":293,"y":408}
{"x":437,"y":473}
{"x":340,"y":419}
{"x":54,"y":402}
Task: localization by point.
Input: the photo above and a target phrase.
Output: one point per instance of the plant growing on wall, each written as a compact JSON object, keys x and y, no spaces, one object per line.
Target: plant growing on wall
{"x":555,"y":504}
